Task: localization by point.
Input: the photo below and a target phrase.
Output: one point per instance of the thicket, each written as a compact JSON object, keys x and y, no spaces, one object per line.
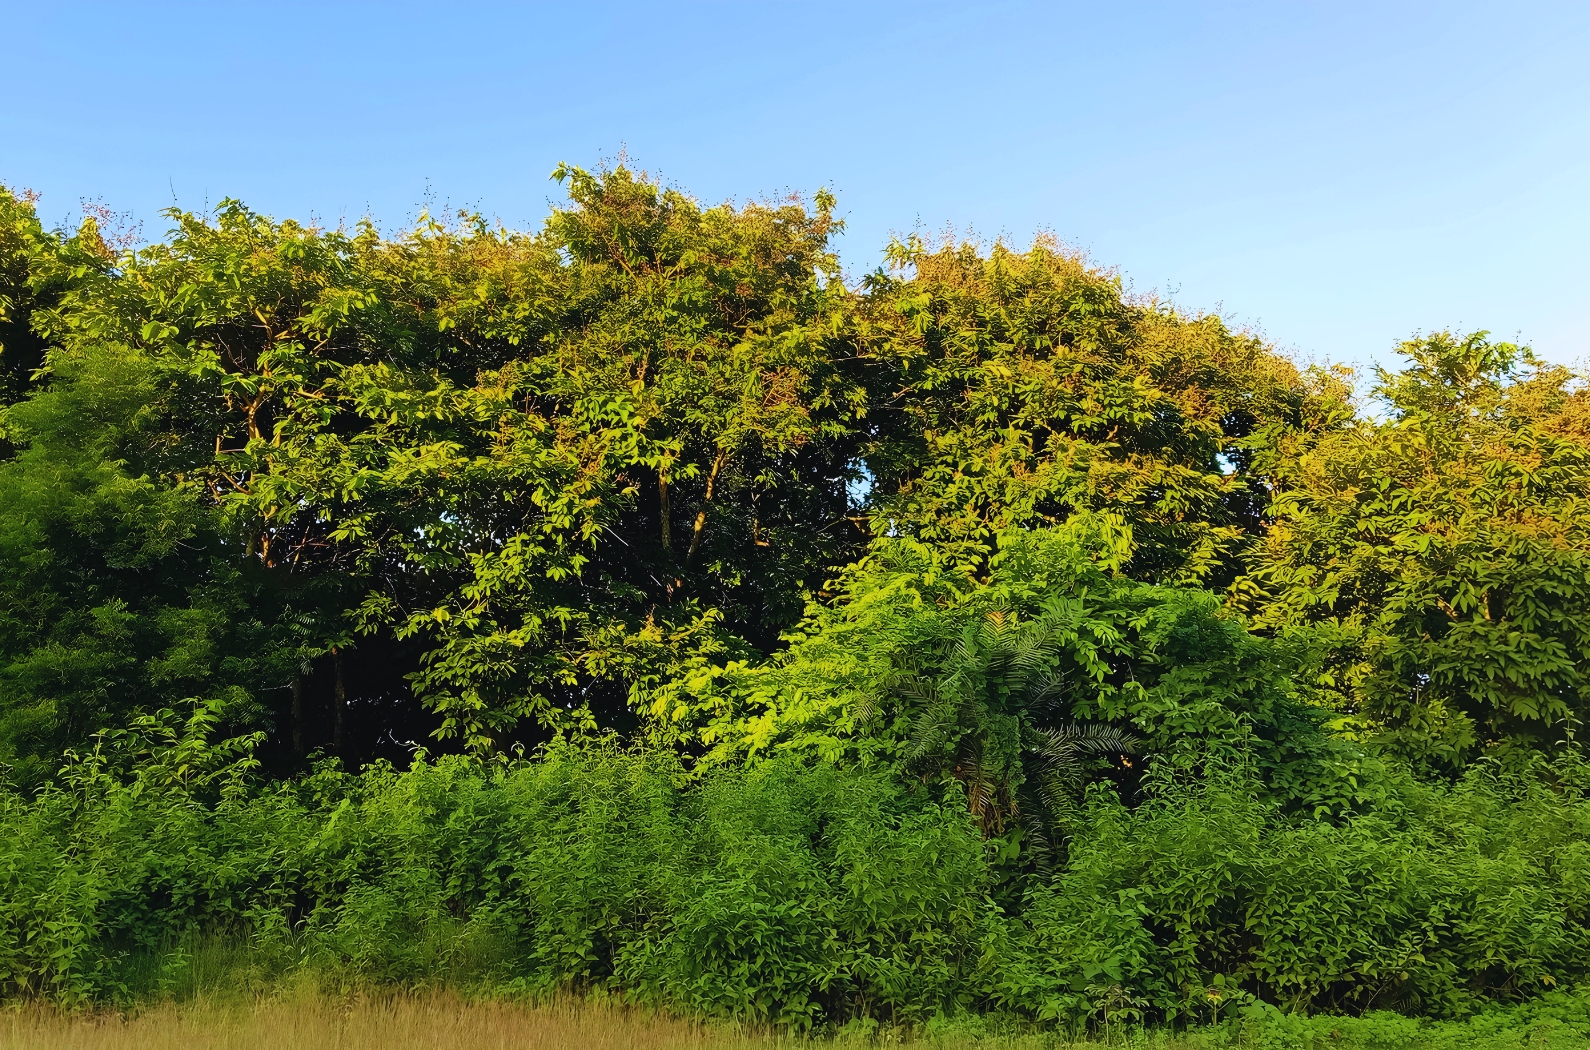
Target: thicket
{"x":643,"y":604}
{"x":792,"y":892}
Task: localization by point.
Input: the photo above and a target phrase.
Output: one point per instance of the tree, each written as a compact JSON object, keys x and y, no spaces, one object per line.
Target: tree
{"x":1442,"y":554}
{"x":1023,"y":388}
{"x":545,"y":462}
{"x":1001,"y":684}
{"x":697,"y":350}
{"x":37,"y":267}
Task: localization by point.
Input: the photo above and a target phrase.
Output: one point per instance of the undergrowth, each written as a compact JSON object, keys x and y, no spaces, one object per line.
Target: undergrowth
{"x":803,"y":897}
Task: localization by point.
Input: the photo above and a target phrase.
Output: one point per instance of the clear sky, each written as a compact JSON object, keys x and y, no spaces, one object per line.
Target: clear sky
{"x":1337,"y":175}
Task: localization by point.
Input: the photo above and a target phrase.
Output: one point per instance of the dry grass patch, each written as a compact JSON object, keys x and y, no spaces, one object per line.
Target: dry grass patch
{"x":438,"y":1022}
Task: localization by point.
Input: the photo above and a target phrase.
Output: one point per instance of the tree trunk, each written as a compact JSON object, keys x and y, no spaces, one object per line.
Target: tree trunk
{"x":298,"y":713}
{"x":339,"y":704}
{"x":662,"y":504}
{"x":701,"y":515}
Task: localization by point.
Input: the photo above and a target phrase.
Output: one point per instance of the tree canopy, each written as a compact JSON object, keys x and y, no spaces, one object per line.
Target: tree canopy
{"x":482,"y":485}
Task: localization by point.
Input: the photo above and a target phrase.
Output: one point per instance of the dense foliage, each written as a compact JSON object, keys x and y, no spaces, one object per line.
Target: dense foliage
{"x":1446,"y":549}
{"x":642,"y":604}
{"x":526,"y":475}
{"x":791,"y":892}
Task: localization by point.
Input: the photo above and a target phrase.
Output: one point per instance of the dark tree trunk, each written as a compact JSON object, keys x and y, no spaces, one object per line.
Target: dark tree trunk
{"x":339,"y":704}
{"x":298,"y":714}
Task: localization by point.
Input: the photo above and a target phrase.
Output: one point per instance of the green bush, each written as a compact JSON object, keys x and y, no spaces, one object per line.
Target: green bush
{"x":1438,"y":902}
{"x":785,"y":894}
{"x":793,"y":893}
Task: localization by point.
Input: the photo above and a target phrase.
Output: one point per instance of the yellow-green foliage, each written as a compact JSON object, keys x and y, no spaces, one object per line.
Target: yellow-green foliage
{"x":536,"y":471}
{"x":1441,"y":557}
{"x":1030,"y":389}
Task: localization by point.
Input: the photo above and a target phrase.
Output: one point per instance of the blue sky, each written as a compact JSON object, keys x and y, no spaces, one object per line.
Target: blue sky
{"x":1336,"y":175}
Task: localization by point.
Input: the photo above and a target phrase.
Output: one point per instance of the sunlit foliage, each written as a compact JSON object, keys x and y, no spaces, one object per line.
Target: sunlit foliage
{"x":643,"y":604}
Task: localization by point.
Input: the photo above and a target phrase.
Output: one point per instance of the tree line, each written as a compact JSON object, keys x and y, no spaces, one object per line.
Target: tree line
{"x":486,"y":484}
{"x":663,"y":477}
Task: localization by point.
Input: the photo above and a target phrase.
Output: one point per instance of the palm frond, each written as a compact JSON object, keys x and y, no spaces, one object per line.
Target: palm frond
{"x":1034,"y":651}
{"x":1047,"y":687}
{"x":1070,"y":741}
{"x":867,"y":711}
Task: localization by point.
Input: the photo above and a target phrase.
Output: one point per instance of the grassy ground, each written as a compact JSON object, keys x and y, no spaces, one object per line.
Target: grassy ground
{"x":431,"y":1022}
{"x":310,"y":1020}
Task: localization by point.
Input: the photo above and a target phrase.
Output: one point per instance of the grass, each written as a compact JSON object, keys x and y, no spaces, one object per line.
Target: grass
{"x":445,"y":1021}
{"x":309,"y":1019}
{"x":434,"y":1022}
